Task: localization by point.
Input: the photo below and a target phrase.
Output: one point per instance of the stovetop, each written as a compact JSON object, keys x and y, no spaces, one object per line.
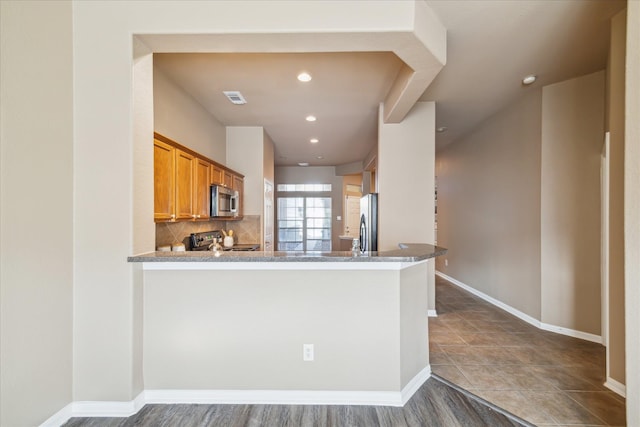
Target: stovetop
{"x":201,"y":241}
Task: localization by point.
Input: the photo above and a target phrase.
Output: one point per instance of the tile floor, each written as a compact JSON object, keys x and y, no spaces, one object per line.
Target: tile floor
{"x":543,"y":377}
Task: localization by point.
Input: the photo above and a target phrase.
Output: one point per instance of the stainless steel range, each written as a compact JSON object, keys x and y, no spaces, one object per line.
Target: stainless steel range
{"x":207,"y":240}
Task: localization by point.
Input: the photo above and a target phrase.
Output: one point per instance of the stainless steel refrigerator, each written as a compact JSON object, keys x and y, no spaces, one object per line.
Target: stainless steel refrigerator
{"x":369,"y":223}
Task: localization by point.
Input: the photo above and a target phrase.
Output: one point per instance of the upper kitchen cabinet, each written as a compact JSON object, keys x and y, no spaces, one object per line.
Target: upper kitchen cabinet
{"x":185,"y":169}
{"x":164,"y":181}
{"x":183,"y":179}
{"x":227,"y":180}
{"x":201,"y":193}
{"x":217,"y":175}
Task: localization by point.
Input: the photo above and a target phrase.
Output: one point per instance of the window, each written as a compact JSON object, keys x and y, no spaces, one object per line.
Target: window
{"x":304,"y":224}
{"x":303,"y":187}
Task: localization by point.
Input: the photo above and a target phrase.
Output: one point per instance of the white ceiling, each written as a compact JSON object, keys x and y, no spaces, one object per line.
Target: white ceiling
{"x":491,"y":45}
{"x":343,"y":94}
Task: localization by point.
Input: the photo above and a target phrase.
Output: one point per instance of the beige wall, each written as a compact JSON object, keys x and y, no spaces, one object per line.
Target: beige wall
{"x":489,"y":206}
{"x":143,"y":172}
{"x":572,"y":138}
{"x":251,"y":342}
{"x":406,"y":156}
{"x":103,"y":144}
{"x":632,"y":213}
{"x":180,"y":117}
{"x":268,"y":157}
{"x":105,"y":303}
{"x":616,"y":128}
{"x":250,"y":152}
{"x":245,"y":154}
{"x":36,"y":200}
{"x":406,"y":183}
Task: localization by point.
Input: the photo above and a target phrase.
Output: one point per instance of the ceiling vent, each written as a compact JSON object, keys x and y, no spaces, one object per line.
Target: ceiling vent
{"x":235,"y":97}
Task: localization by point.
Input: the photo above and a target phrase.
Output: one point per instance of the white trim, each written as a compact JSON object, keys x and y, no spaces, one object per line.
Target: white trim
{"x":415,"y":383}
{"x":256,"y":397}
{"x":273,"y":397}
{"x":291,"y":397}
{"x":571,"y":333}
{"x":499,"y":304}
{"x":321,"y":265}
{"x":108,"y":409}
{"x":60,"y":417}
{"x":616,"y":387}
{"x":523,"y":316}
{"x":432,"y":313}
{"x":95,"y":409}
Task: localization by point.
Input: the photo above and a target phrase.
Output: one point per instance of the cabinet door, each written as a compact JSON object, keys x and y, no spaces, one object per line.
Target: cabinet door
{"x":201,"y":189}
{"x":216,"y":175}
{"x":164,"y":181}
{"x":238,"y":185}
{"x":227,"y":179}
{"x":185,"y":164}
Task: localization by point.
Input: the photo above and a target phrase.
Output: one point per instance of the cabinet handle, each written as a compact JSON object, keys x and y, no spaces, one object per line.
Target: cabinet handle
{"x":193,"y":216}
{"x":173,"y":216}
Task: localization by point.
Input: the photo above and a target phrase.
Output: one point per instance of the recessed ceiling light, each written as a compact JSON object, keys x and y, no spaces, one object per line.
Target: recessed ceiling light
{"x":442,"y":129}
{"x":311,"y":118}
{"x":320,"y":157}
{"x":529,"y":79}
{"x":313,"y":140}
{"x":304,"y":77}
{"x":303,"y":164}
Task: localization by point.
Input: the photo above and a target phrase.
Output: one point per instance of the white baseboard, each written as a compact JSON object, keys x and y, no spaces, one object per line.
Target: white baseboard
{"x":523,"y":316}
{"x":108,"y":409}
{"x":571,"y":333}
{"x":256,"y":397}
{"x":413,"y":385}
{"x":274,"y":397}
{"x":616,"y":387}
{"x":290,"y":397}
{"x":60,"y":417}
{"x":432,"y":313}
{"x":95,"y":409}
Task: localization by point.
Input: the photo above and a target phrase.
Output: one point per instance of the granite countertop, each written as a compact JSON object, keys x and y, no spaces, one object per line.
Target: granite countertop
{"x":406,"y":252}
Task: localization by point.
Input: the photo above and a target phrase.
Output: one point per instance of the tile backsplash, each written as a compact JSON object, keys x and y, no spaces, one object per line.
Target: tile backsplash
{"x":246,"y":230}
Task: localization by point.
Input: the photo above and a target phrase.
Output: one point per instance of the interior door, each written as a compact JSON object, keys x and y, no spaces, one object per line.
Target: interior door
{"x":352,"y":215}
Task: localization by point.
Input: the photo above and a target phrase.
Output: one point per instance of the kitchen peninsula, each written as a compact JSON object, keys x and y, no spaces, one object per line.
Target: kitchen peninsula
{"x":286,"y":327}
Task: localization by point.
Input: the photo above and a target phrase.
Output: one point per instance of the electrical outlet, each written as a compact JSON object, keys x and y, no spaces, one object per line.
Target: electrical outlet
{"x":446,"y":262}
{"x":307,"y":352}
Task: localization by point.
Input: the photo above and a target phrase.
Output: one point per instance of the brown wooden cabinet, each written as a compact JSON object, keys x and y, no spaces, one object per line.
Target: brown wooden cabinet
{"x":185,"y":164}
{"x":201,"y":193}
{"x":227,"y":180}
{"x":164,"y":181}
{"x":182,"y":180}
{"x":217,"y":175}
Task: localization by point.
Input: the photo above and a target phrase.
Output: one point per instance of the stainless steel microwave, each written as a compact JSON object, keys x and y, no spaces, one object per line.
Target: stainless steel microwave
{"x":224,"y":201}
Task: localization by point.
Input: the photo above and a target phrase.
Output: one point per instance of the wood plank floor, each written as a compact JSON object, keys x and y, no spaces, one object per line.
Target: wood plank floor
{"x":436,"y":403}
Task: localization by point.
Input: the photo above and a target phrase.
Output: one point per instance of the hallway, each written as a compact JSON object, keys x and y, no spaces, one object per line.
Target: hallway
{"x":545,"y":378}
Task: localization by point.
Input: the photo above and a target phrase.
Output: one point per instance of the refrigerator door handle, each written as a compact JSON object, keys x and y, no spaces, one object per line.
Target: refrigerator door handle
{"x":363,"y":233}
